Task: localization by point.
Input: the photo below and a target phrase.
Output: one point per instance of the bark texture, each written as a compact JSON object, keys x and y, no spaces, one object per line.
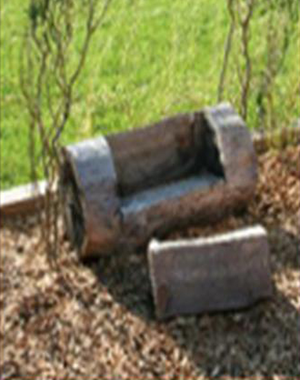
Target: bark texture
{"x":224,"y":272}
{"x":89,"y":190}
{"x":126,"y":188}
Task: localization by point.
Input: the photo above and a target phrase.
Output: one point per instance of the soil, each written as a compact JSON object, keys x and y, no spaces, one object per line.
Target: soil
{"x":96,"y":320}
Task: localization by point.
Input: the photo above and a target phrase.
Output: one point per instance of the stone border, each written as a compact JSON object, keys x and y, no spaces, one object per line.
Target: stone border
{"x":25,"y":199}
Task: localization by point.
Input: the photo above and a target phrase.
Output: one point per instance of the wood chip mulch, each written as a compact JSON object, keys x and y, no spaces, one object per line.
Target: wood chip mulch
{"x":96,"y":321}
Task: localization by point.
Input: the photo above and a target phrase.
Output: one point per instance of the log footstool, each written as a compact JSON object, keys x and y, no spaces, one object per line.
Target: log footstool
{"x":224,"y":272}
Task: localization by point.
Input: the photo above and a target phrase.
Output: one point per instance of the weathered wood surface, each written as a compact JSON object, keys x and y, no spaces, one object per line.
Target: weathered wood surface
{"x":224,"y":272}
{"x":89,"y":168}
{"x":154,"y":154}
{"x":159,"y":210}
{"x":122,"y":190}
{"x":228,"y":143}
{"x":233,"y":139}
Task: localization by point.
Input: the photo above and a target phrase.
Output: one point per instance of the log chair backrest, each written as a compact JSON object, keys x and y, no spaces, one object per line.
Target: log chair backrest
{"x":164,"y":152}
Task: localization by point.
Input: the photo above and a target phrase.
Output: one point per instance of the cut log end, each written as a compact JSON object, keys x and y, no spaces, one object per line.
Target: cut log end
{"x":73,"y":208}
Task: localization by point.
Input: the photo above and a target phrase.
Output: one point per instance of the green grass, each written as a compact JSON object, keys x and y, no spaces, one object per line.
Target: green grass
{"x":151,"y":59}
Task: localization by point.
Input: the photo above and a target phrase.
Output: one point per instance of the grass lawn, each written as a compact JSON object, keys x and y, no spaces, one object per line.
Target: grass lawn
{"x":151,"y":59}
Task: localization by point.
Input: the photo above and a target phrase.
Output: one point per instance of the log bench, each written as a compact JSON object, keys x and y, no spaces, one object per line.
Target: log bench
{"x":125,"y":188}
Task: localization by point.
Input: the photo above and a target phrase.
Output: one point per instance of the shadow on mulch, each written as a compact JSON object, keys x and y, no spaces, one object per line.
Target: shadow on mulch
{"x":285,"y":248}
{"x":262,"y":340}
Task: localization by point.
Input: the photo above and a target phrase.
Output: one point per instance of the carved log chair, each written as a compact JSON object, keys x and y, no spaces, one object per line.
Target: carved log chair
{"x":125,"y":188}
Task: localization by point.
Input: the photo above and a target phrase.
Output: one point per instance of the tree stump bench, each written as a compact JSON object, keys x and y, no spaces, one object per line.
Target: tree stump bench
{"x":123,"y":189}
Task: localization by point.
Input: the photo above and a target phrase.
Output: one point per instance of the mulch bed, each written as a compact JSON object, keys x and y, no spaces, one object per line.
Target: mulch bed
{"x":96,"y":321}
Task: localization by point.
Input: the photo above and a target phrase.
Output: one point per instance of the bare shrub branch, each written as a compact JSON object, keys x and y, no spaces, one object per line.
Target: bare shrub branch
{"x":50,"y":67}
{"x":244,"y":23}
{"x":252,"y":72}
{"x":227,"y":49}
